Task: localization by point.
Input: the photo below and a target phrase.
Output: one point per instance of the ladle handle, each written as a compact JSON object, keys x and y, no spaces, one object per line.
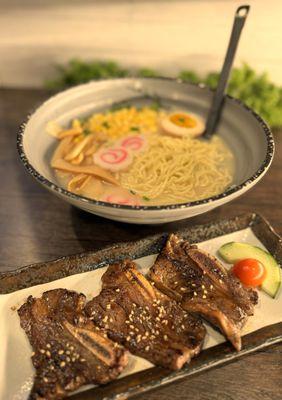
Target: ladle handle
{"x":214,"y":113}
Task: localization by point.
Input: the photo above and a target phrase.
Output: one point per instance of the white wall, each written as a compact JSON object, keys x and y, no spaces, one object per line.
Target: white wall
{"x":168,"y":35}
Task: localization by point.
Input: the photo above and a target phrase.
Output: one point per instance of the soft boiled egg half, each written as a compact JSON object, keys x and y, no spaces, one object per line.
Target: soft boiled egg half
{"x":182,"y":123}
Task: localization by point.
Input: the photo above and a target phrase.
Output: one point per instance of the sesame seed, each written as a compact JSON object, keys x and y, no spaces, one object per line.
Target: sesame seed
{"x":158,"y":319}
{"x":111,"y":320}
{"x":105,"y":319}
{"x":204,"y":296}
{"x":67,"y":359}
{"x":48,"y":346}
{"x":147,"y":308}
{"x":220,"y":280}
{"x":165,"y":337}
{"x":108,"y":306}
{"x":73,"y":359}
{"x":117,"y":290}
{"x":131,"y":326}
{"x":128,"y":338}
{"x":72,"y":348}
{"x":205,"y":291}
{"x":131,"y":333}
{"x":48,"y":354}
{"x":106,"y":326}
{"x":42,"y":351}
{"x":211,"y":286}
{"x":152,"y":337}
{"x":144,"y":337}
{"x":82,"y":360}
{"x":60,"y":352}
{"x":45,"y":379}
{"x":203,"y":287}
{"x":183,"y":289}
{"x":127,"y":322}
{"x":147,"y":348}
{"x":153,"y":283}
{"x":175,"y":282}
{"x":62,"y":364}
{"x":52,"y":367}
{"x":32,"y":354}
{"x":193,"y":284}
{"x":182,"y":326}
{"x":195,"y":294}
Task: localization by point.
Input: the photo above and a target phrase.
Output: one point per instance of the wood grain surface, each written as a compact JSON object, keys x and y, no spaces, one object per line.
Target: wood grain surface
{"x":36,"y":226}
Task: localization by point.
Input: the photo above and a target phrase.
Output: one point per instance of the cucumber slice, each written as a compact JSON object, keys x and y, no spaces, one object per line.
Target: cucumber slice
{"x":234,"y":251}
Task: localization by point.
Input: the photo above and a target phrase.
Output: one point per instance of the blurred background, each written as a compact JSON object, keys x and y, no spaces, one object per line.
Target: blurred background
{"x":39,"y":39}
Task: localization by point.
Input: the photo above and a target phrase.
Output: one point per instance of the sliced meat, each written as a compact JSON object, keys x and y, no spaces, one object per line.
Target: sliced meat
{"x":144,"y":320}
{"x":69,"y":350}
{"x":203,"y":286}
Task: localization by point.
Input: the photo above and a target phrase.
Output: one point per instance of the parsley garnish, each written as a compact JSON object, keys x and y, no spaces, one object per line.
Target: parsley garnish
{"x":106,"y":124}
{"x":155,"y":105}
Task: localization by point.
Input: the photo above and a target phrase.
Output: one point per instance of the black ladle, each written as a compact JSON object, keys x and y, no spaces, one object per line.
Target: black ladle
{"x":217,"y":102}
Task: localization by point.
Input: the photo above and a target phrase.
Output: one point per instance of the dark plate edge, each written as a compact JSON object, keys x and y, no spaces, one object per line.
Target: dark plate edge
{"x":154,"y":377}
{"x":45,"y":272}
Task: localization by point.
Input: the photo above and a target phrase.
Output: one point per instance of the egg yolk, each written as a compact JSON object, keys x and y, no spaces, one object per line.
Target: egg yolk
{"x":183,"y":120}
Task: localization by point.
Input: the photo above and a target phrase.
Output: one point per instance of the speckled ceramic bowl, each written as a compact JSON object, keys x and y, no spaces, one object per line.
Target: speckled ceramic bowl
{"x":244,"y":131}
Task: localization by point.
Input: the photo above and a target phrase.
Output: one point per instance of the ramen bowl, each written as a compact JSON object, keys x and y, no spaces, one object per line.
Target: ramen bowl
{"x":246,"y":134}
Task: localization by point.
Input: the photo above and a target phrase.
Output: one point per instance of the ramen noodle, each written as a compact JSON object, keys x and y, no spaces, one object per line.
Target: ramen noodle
{"x":141,"y":156}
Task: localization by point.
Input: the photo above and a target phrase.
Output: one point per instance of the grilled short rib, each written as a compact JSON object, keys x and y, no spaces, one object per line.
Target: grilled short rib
{"x":69,"y":351}
{"x":202,"y":285}
{"x":147,"y":322}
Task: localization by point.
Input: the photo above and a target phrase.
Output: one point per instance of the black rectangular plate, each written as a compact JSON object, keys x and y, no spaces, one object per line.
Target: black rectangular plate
{"x":152,"y":378}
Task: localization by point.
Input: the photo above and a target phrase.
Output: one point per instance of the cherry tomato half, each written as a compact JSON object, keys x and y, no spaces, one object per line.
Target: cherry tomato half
{"x":251,"y":272}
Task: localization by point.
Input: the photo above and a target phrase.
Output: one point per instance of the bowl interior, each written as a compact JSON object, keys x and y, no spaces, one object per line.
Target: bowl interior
{"x":244,"y":133}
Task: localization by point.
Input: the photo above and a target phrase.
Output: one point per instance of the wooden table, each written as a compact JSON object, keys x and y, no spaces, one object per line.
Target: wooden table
{"x":36,"y":226}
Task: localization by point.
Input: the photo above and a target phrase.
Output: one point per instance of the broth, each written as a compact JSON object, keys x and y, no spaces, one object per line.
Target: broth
{"x":141,"y":156}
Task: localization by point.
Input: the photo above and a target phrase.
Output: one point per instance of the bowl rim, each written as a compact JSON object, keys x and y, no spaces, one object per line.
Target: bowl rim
{"x":232,"y":190}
